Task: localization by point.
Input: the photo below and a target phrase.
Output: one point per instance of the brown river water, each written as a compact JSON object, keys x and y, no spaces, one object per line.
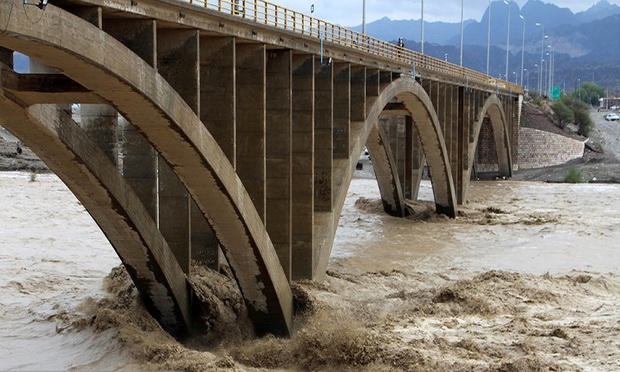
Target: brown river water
{"x":525,"y":279}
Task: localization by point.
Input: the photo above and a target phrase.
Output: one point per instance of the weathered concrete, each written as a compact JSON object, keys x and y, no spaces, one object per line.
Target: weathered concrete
{"x":94,"y":180}
{"x":303,"y":167}
{"x":152,"y":105}
{"x":242,"y":137}
{"x":278,"y":155}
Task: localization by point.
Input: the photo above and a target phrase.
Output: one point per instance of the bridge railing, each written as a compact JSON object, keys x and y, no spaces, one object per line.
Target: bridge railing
{"x":278,"y":16}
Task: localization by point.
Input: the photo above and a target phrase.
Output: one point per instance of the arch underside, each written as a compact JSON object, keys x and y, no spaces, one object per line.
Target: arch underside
{"x":79,"y":162}
{"x":418,"y":106}
{"x":386,"y":167}
{"x":494,"y":110}
{"x":416,"y":101}
{"x":121,"y":79}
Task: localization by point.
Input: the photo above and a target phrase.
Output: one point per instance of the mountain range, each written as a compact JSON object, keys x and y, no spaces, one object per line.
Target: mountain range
{"x":584,"y":44}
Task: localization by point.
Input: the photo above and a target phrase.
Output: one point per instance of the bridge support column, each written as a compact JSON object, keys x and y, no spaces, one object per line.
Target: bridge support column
{"x":217,"y":91}
{"x":303,"y":260}
{"x":372,"y":83}
{"x":342,"y":110}
{"x":250,"y":126}
{"x":452,"y":134}
{"x":139,"y":157}
{"x":323,"y":139}
{"x":279,"y":155}
{"x":385,"y":167}
{"x":358,"y":104}
{"x":218,"y":113}
{"x":100,"y":122}
{"x":414,"y":160}
{"x":465,"y":123}
{"x":385,"y":79}
{"x":174,"y":201}
{"x":323,"y":161}
{"x":395,"y":129}
{"x":140,"y":167}
{"x":441,"y":108}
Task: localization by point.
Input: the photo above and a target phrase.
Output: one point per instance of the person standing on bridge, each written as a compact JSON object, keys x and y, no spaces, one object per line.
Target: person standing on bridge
{"x":401,"y":45}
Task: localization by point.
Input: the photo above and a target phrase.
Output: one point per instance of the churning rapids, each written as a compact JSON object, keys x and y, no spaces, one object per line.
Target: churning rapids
{"x":526,"y":278}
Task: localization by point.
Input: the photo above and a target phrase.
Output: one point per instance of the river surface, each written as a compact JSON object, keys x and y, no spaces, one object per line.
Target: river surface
{"x":53,"y":260}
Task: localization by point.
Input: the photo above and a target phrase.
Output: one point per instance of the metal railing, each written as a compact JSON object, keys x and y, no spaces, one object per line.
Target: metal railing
{"x":277,"y":16}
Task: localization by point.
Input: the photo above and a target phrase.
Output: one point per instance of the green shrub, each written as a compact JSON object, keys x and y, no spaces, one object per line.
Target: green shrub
{"x":573,"y":176}
{"x":583,"y":121}
{"x":562,"y":113}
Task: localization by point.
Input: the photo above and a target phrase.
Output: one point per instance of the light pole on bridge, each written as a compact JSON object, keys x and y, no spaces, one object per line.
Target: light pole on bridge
{"x":507,"y":38}
{"x":489,"y":38}
{"x":542,"y":52}
{"x":422,"y":28}
{"x":551,"y":63}
{"x":522,"y":48}
{"x":461,"y":33}
{"x":364,"y":17}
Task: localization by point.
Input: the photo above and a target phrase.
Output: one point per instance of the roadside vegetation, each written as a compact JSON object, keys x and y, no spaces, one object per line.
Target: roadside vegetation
{"x":569,"y":109}
{"x":573,"y":176}
{"x":573,"y":107}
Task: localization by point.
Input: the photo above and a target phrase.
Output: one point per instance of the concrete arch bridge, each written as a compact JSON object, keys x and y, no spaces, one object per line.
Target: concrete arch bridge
{"x":235,"y":127}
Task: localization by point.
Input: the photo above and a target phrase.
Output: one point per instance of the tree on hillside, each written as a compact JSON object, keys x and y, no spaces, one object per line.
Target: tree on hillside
{"x":583,"y":120}
{"x":589,"y":93}
{"x":562,"y":113}
{"x":571,"y":108}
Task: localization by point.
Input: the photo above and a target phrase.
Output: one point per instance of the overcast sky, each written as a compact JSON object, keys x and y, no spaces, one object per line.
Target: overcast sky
{"x":349,"y":12}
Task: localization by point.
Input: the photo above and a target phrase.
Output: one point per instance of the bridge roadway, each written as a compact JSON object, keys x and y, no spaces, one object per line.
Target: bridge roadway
{"x":230,"y":131}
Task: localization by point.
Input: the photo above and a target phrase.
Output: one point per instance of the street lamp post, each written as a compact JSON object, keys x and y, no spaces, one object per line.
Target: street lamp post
{"x":551,"y":65}
{"x":537,"y":76}
{"x":543,"y":76}
{"x":364,"y":17}
{"x":550,"y":72}
{"x":507,"y":38}
{"x":548,"y":54}
{"x":422,"y":28}
{"x":542,"y":51}
{"x":527,"y":79}
{"x":489,"y":38}
{"x":461,"y":33}
{"x":522,"y":49}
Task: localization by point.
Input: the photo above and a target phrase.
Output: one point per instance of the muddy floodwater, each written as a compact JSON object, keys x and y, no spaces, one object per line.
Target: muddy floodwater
{"x":527,"y":227}
{"x":526,"y":278}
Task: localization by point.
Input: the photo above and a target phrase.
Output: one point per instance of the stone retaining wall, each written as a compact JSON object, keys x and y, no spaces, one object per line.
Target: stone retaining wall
{"x":537,"y":149}
{"x":542,"y":149}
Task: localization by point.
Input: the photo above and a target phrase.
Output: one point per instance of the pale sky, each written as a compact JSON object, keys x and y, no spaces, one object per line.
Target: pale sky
{"x":349,"y":12}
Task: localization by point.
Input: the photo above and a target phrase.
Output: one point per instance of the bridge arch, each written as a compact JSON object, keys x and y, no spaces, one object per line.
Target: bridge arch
{"x":91,"y":176}
{"x":417,"y":102}
{"x":419,"y":106}
{"x":494,"y":110}
{"x":111,"y":71}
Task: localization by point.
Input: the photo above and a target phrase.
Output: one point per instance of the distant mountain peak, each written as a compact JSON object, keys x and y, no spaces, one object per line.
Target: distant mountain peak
{"x":600,"y":4}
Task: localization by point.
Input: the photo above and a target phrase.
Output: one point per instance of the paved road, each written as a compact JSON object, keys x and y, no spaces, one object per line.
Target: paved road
{"x":606,"y":132}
